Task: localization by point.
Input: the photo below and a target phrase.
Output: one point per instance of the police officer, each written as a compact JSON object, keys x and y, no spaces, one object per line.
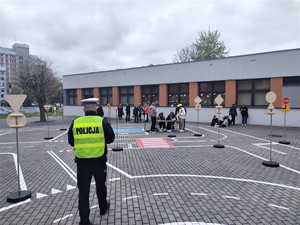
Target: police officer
{"x":89,"y":135}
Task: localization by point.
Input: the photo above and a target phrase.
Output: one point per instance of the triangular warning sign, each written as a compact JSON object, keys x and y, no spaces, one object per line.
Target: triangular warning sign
{"x":70,"y":187}
{"x":55,"y":191}
{"x":40,"y":195}
{"x":15,"y":101}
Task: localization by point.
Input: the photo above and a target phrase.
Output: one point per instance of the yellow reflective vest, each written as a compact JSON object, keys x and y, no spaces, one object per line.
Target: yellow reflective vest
{"x":89,"y":139}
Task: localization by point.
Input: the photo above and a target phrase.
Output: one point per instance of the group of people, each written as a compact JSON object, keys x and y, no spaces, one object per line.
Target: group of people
{"x":137,"y":113}
{"x":167,"y":124}
{"x":230,"y":119}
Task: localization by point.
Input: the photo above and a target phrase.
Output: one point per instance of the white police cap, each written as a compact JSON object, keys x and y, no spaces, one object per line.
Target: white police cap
{"x":89,"y":101}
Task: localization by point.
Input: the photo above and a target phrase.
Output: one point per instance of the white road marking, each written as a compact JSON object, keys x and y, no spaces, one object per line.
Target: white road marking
{"x":231,"y":197}
{"x":273,"y":150}
{"x":159,"y":194}
{"x":22,"y":180}
{"x":129,"y":146}
{"x":55,"y":191}
{"x":276,"y":206}
{"x":132,"y":197}
{"x":14,"y":205}
{"x":200,"y":194}
{"x":60,"y":219}
{"x":70,"y":187}
{"x":40,"y":195}
{"x":58,"y":136}
{"x":63,"y":165}
{"x":6,"y":147}
{"x":114,"y":179}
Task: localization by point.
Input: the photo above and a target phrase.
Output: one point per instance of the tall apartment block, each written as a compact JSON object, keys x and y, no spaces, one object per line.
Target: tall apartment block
{"x":12,"y":60}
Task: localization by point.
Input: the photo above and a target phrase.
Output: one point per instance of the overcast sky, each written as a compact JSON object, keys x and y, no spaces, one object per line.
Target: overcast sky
{"x":94,"y":35}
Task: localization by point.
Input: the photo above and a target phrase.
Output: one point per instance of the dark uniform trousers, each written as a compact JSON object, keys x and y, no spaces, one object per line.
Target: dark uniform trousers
{"x":85,"y":172}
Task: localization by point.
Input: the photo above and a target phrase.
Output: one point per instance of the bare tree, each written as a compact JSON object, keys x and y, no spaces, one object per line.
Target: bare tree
{"x":39,"y":82}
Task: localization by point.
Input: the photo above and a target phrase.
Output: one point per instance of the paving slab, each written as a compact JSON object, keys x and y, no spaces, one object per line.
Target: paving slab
{"x":157,"y":179}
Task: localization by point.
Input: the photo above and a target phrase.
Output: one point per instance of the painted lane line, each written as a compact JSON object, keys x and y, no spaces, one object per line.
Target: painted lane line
{"x":94,"y":206}
{"x":60,"y":219}
{"x":189,"y":223}
{"x":159,"y":194}
{"x":58,"y":136}
{"x":22,"y":180}
{"x":259,"y":144}
{"x":29,"y":146}
{"x":14,"y":205}
{"x":132,"y":197}
{"x":285,"y":167}
{"x":48,"y":146}
{"x":276,"y":206}
{"x":119,"y":170}
{"x":129,"y":146}
{"x":114,"y":179}
{"x":63,"y":165}
{"x":6,"y":147}
{"x":6,"y":133}
{"x":231,"y":197}
{"x":200,"y":194}
{"x":273,"y":150}
{"x":217,"y":178}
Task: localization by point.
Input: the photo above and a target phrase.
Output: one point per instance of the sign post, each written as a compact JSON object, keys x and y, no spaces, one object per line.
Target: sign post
{"x":270,"y":98}
{"x":47,"y":107}
{"x":17,"y":120}
{"x":198,"y":100}
{"x":219,"y":100}
{"x":117,"y":149}
{"x":285,"y":108}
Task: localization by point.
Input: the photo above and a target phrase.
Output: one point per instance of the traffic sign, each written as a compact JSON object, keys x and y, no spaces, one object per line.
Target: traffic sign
{"x":286,"y":100}
{"x":15,"y":101}
{"x":47,"y":107}
{"x":197,"y":100}
{"x":197,"y":107}
{"x":271,"y":97}
{"x":16,"y":120}
{"x":285,"y":108}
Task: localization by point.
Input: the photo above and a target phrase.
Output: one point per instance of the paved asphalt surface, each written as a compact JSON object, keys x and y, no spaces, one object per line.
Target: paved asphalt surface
{"x":156,"y":179}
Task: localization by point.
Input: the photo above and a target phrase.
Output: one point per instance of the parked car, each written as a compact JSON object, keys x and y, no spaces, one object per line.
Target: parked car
{"x":5,"y":111}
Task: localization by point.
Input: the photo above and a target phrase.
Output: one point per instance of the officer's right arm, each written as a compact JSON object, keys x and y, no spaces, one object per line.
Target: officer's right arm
{"x":70,"y":135}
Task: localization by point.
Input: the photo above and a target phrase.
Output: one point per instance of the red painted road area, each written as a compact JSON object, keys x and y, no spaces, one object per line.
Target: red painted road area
{"x":153,"y":143}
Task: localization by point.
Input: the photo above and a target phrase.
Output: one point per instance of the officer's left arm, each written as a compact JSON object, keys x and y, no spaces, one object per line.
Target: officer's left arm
{"x":109,"y":134}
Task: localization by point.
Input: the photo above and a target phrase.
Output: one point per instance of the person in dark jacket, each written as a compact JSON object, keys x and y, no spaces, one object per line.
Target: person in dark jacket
{"x":90,"y":135}
{"x":120,"y":111}
{"x":233,"y":113}
{"x":244,"y":113}
{"x":135,"y":114}
{"x":127,"y":111}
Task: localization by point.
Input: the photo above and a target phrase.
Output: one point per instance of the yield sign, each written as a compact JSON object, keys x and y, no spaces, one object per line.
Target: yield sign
{"x":15,"y":101}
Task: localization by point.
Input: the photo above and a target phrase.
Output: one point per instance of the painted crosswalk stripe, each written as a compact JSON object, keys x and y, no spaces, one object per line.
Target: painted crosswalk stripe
{"x":153,"y":142}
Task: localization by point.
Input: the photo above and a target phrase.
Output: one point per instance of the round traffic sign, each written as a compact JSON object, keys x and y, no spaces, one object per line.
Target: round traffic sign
{"x":286,"y":100}
{"x":271,"y":97}
{"x":16,"y":120}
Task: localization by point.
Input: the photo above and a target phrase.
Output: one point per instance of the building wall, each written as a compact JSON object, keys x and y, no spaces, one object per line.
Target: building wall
{"x":274,"y":66}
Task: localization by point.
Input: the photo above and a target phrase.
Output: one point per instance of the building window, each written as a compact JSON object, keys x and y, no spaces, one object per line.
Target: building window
{"x":150,"y":93}
{"x":178,"y":93}
{"x":88,"y":93}
{"x":208,"y":91}
{"x":126,"y":95}
{"x":105,"y":95}
{"x":291,"y":89}
{"x":252,"y":92}
{"x":71,"y":97}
